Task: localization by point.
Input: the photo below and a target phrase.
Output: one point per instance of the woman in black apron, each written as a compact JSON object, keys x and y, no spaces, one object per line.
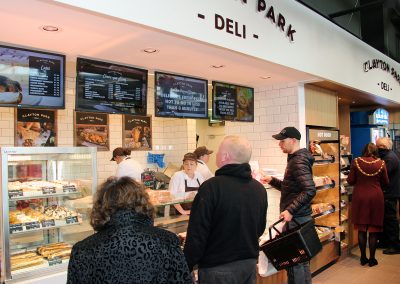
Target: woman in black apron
{"x":185,"y":183}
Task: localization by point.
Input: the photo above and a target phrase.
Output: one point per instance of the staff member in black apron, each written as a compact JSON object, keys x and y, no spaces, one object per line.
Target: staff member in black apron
{"x":185,"y":183}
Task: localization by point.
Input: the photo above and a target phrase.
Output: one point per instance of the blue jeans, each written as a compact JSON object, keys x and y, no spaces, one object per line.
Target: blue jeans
{"x":237,"y":272}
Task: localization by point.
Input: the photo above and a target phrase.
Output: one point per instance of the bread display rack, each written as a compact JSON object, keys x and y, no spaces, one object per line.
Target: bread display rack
{"x":323,"y":143}
{"x":40,"y":222}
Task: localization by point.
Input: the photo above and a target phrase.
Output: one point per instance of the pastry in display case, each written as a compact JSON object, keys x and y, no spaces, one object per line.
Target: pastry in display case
{"x":324,"y":145}
{"x":46,"y":201}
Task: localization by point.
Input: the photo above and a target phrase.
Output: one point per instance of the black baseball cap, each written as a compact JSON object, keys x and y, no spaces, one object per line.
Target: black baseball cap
{"x":288,"y":132}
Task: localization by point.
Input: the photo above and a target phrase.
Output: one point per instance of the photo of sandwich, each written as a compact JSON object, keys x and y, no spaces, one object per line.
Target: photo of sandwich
{"x":10,"y":91}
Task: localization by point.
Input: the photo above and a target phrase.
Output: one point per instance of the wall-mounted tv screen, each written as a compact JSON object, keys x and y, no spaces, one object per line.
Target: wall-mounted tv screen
{"x":111,"y":88}
{"x":232,"y":102}
{"x":180,"y":96}
{"x":31,"y":79}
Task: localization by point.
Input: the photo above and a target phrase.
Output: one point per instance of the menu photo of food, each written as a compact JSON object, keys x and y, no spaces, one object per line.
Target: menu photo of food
{"x":92,"y":130}
{"x":137,"y":134}
{"x":35,"y":128}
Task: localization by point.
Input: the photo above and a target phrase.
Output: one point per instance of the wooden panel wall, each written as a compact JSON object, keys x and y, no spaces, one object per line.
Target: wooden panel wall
{"x":344,"y":123}
{"x":321,"y":107}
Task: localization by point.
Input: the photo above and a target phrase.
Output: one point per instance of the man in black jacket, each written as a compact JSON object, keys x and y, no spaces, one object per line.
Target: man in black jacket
{"x":228,"y":216}
{"x":297,"y":190}
{"x":391,"y":194}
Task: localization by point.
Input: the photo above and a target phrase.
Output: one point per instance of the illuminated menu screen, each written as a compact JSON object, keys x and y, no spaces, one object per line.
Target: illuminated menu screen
{"x":180,"y":96}
{"x":31,"y":78}
{"x":110,"y":88}
{"x":232,"y":102}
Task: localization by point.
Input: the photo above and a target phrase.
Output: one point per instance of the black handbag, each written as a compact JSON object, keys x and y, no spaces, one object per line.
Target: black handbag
{"x":292,"y":246}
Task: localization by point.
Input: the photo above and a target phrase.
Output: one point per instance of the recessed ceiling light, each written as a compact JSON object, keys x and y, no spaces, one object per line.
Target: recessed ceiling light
{"x":50,"y":28}
{"x":217,"y":66}
{"x":265,"y":77}
{"x":150,"y":50}
{"x":353,"y":102}
{"x":340,"y":98}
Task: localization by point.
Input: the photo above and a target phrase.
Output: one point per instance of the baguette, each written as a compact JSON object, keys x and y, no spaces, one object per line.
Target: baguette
{"x":23,"y":255}
{"x":60,"y":253}
{"x":28,"y":262}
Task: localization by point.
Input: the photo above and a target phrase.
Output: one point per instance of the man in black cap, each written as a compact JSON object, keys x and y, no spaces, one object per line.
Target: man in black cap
{"x":297,"y":190}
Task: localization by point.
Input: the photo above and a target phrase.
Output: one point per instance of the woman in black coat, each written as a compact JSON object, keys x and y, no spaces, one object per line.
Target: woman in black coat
{"x":127,"y":248}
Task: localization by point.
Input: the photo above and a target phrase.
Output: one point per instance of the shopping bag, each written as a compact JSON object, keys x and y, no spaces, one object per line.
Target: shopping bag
{"x":292,"y":246}
{"x":265,"y":267}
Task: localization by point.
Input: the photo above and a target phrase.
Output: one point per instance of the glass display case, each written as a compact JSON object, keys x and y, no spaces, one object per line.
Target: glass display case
{"x":45,"y":202}
{"x":166,"y":216}
{"x":324,"y":145}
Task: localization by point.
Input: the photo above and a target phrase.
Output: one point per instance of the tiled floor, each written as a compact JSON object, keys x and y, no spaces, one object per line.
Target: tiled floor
{"x":350,"y":271}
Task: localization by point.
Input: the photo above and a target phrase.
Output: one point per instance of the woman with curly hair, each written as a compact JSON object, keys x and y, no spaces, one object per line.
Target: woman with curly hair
{"x":368,"y":174}
{"x":126,"y":248}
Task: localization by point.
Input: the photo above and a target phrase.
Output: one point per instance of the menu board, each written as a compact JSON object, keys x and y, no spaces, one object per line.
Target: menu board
{"x":91,"y":130}
{"x":35,"y":127}
{"x":137,"y":134}
{"x":232,"y":102}
{"x":180,"y":96}
{"x":110,"y":88}
{"x":31,"y":79}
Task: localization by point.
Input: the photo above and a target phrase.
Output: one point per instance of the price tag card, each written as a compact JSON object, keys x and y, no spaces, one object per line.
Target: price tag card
{"x":48,"y":223}
{"x":69,"y":188}
{"x":15,"y":193}
{"x":55,"y":261}
{"x":16,"y":228}
{"x":71,"y":219}
{"x":48,"y":190}
{"x":32,"y":225}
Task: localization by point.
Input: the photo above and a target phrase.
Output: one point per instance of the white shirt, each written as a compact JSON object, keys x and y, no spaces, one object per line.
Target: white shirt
{"x":203,"y":169}
{"x":131,"y":168}
{"x":177,"y":184}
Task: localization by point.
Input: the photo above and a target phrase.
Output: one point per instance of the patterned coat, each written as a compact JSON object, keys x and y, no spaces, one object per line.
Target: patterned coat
{"x":128,"y":250}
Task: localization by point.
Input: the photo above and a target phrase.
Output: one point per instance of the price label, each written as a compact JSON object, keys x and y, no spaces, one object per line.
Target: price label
{"x":15,"y":228}
{"x":15,"y":193}
{"x":55,"y":261}
{"x":32,"y":225}
{"x":48,"y":190}
{"x":71,"y":219}
{"x":48,"y":223}
{"x":69,"y":188}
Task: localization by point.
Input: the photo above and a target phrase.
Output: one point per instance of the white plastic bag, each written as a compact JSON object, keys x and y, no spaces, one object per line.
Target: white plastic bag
{"x":265,"y":267}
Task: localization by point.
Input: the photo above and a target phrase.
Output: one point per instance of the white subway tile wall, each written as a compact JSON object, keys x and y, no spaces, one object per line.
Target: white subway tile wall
{"x":275,"y":108}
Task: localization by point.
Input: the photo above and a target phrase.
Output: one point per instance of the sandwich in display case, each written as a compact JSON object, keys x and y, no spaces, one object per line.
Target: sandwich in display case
{"x":45,"y":206}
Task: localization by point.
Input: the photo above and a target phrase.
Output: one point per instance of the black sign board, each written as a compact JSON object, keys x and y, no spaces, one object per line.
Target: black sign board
{"x":225,"y":102}
{"x":48,"y":223}
{"x":110,"y":88}
{"x":55,"y":261}
{"x":180,"y":96}
{"x":232,"y":102}
{"x":32,"y":225}
{"x":48,"y":190}
{"x":71,"y":219}
{"x":69,"y":188}
{"x":16,"y":228}
{"x":15,"y":193}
